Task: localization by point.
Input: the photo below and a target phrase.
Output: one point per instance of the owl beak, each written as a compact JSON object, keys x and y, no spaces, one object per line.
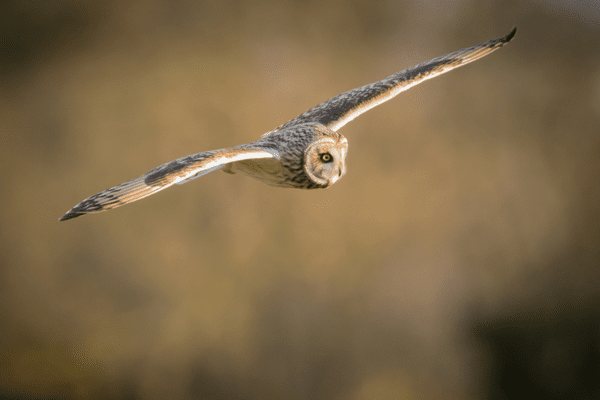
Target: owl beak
{"x":334,"y":178}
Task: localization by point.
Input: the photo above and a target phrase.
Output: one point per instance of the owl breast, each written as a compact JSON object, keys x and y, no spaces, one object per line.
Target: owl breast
{"x":268,"y":171}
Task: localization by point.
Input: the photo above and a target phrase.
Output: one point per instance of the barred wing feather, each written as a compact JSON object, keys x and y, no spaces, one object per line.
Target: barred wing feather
{"x":178,"y":171}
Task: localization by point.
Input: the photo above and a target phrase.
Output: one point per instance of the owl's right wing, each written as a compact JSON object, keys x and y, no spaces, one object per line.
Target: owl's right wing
{"x":178,"y":171}
{"x":341,"y":109}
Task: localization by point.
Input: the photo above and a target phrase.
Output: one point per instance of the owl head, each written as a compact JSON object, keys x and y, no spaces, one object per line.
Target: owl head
{"x":325,"y":157}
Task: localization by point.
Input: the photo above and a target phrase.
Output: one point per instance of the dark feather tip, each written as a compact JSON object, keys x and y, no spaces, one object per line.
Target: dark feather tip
{"x":70,"y":215}
{"x":510,"y":35}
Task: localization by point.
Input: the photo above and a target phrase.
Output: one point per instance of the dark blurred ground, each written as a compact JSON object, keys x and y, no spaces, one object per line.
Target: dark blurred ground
{"x":458,"y":258}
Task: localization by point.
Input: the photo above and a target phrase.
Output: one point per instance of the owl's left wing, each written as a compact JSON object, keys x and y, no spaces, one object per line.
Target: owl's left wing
{"x":178,"y":171}
{"x":339,"y":110}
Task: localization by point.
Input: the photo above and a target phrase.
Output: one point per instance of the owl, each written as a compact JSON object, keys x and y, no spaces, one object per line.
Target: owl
{"x":306,"y":152}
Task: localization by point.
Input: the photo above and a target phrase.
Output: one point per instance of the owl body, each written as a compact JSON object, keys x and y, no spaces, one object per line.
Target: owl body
{"x":301,"y":150}
{"x":305,"y":153}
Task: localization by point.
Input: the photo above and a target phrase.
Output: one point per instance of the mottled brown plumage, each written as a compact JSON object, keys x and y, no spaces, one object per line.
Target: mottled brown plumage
{"x":305,"y":153}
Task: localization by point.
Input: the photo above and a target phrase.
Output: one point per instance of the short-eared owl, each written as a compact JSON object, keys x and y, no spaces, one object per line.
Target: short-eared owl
{"x":306,"y":152}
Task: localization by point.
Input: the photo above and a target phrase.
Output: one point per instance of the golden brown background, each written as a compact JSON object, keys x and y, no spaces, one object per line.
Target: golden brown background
{"x":458,"y":258}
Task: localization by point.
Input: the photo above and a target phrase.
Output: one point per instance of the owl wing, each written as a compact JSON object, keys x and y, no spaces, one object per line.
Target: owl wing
{"x":339,"y":110}
{"x":178,"y":171}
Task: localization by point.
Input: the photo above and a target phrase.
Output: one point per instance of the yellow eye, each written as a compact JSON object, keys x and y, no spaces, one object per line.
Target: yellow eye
{"x":326,"y":157}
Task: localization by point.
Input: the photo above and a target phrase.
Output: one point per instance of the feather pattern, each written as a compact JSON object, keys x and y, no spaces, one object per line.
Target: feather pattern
{"x":341,"y":109}
{"x":182,"y":170}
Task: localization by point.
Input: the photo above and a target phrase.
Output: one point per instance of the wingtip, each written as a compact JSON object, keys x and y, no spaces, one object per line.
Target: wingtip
{"x":510,"y":35}
{"x":70,"y":215}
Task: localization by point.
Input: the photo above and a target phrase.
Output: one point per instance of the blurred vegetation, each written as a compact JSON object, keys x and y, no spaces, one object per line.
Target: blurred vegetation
{"x":458,"y":258}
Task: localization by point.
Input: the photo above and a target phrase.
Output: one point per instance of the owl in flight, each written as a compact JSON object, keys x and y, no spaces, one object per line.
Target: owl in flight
{"x":306,"y":152}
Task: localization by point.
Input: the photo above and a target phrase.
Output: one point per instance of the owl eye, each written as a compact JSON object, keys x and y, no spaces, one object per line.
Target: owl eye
{"x":326,"y":157}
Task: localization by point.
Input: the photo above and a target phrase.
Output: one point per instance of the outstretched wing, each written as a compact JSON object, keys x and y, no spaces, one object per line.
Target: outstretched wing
{"x":179,"y":171}
{"x":339,"y":110}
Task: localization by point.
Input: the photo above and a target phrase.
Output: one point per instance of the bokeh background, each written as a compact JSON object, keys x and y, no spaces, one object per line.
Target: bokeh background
{"x":458,"y":258}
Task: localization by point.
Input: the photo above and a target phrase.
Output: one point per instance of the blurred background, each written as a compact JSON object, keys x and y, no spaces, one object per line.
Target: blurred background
{"x":458,"y":258}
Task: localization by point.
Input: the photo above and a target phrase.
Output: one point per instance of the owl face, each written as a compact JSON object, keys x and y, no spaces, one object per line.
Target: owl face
{"x":325,"y":159}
